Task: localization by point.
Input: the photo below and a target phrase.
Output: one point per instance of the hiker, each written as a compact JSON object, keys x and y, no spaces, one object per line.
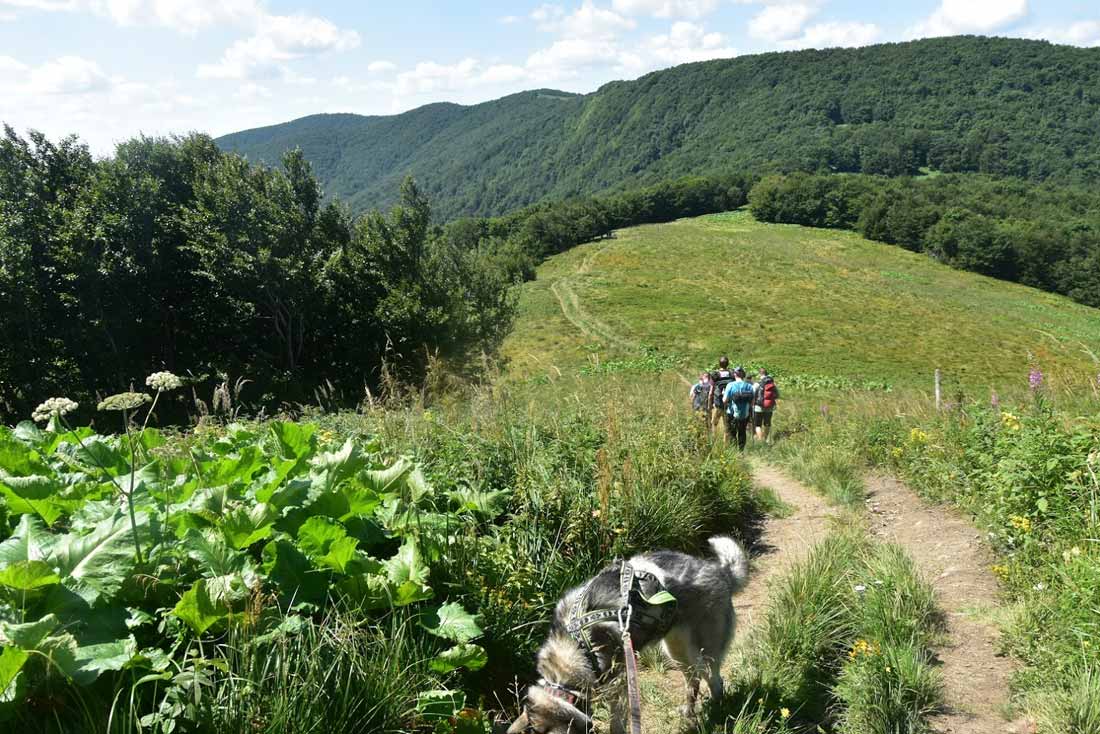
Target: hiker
{"x":738,"y":399}
{"x":765,"y":397}
{"x":719,"y":379}
{"x":700,"y":392}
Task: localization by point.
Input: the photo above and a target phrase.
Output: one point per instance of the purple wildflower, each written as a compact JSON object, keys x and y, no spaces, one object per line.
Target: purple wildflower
{"x":1035,"y":379}
{"x":994,"y":400}
{"x":824,"y":410}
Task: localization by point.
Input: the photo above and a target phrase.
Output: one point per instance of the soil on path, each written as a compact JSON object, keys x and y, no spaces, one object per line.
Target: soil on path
{"x":947,"y":550}
{"x":783,"y":542}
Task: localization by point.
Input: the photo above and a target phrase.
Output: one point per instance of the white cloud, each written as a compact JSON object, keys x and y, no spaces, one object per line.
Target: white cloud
{"x":970,"y":16}
{"x":8,"y":64}
{"x":835,"y":34}
{"x":279,"y":39}
{"x":1081,"y":33}
{"x":185,"y":16}
{"x":547,"y":15}
{"x":47,"y":5}
{"x":429,"y":77}
{"x":381,"y":67}
{"x":587,"y":21}
{"x":68,"y":75}
{"x":782,"y":21}
{"x":509,"y":20}
{"x":666,"y":8}
{"x":567,"y":57}
{"x":687,"y":42}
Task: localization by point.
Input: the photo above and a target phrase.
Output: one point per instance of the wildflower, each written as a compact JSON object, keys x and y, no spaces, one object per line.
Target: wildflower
{"x":897,"y":452}
{"x":1000,"y":571}
{"x":1021,"y":523}
{"x":859,"y":588}
{"x":863,"y":647}
{"x":1035,"y":379}
{"x":994,"y":400}
{"x":1039,"y":586}
{"x":124,"y":401}
{"x":784,"y":713}
{"x":918,"y":436}
{"x":52,"y":407}
{"x":163,"y":381}
{"x":1010,"y":421}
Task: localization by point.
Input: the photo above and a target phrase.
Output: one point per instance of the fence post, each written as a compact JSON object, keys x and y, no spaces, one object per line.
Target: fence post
{"x":939,"y":392}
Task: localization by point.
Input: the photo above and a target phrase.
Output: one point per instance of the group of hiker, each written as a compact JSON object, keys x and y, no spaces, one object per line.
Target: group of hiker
{"x":733,"y":401}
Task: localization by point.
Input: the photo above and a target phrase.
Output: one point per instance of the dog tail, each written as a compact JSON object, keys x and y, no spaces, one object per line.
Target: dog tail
{"x":732,"y":558}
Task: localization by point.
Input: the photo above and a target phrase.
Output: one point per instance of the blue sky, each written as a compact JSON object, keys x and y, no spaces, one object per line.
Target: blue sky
{"x":111,"y":69}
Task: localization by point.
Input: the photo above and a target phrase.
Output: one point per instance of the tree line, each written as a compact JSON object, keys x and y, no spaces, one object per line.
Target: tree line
{"x":1041,"y":235}
{"x":174,"y":255}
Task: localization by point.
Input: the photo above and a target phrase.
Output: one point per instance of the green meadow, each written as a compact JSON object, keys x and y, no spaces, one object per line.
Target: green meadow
{"x":803,"y":301}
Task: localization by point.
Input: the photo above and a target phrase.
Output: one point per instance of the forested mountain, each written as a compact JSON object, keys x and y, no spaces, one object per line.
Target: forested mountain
{"x":1003,"y":106}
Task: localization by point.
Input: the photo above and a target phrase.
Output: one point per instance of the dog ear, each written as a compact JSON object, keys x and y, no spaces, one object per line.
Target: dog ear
{"x":520,"y":724}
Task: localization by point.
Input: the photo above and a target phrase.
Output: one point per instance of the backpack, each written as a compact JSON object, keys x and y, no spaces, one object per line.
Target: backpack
{"x":720,"y":379}
{"x":769,"y":394}
{"x":740,"y":405}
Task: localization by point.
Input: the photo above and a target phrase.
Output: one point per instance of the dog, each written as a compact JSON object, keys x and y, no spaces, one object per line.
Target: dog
{"x":583,"y":652}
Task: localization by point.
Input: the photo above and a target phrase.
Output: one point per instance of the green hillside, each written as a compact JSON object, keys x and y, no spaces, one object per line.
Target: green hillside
{"x":807,"y":302}
{"x":1003,"y":106}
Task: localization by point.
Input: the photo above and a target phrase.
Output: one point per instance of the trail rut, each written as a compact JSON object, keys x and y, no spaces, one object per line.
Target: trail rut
{"x":784,"y":542}
{"x":948,"y":551}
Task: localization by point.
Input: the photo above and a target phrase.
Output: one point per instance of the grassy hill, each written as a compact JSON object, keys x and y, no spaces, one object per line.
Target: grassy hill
{"x":1004,"y":106}
{"x":806,"y":302}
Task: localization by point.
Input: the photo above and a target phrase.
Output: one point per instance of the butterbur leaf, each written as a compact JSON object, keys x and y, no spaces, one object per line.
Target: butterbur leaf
{"x":452,"y":622}
{"x":36,"y":495}
{"x":28,"y":575}
{"x":295,"y":440}
{"x":339,"y":465}
{"x":197,"y":610}
{"x":408,"y":575}
{"x":234,"y":468}
{"x":488,"y":505}
{"x":383,"y":481}
{"x":243,"y":527}
{"x":28,"y":635}
{"x":468,"y":655}
{"x":214,"y":556}
{"x":317,"y":533}
{"x":12,"y":660}
{"x":101,"y":560}
{"x":433,"y":705}
{"x":294,"y":575}
{"x":29,"y":542}
{"x":94,"y":660}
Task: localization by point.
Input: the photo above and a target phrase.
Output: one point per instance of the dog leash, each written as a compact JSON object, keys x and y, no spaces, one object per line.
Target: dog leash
{"x":626,"y":580}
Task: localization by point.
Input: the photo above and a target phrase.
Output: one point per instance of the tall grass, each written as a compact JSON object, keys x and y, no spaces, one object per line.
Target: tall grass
{"x":844,"y":644}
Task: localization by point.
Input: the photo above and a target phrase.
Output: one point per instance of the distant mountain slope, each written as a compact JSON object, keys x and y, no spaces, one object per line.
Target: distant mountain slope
{"x":1006,"y":106}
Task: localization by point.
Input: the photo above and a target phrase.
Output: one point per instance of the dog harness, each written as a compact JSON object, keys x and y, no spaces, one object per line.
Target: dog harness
{"x":642,"y":597}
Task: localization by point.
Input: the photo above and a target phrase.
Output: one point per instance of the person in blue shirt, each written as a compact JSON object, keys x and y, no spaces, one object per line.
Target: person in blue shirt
{"x":738,"y":400}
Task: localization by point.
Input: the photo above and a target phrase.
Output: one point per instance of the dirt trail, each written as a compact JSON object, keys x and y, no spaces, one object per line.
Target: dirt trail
{"x":947,"y":550}
{"x":783,"y":542}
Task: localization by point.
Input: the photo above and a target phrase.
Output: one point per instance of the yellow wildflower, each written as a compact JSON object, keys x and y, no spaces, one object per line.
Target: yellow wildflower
{"x":897,"y":452}
{"x":918,"y":436}
{"x":1021,"y":523}
{"x":1009,"y":421}
{"x":784,"y":713}
{"x":863,"y":647}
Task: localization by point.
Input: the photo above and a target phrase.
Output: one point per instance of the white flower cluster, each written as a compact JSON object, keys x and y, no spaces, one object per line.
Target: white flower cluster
{"x":52,"y":407}
{"x":163,"y":381}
